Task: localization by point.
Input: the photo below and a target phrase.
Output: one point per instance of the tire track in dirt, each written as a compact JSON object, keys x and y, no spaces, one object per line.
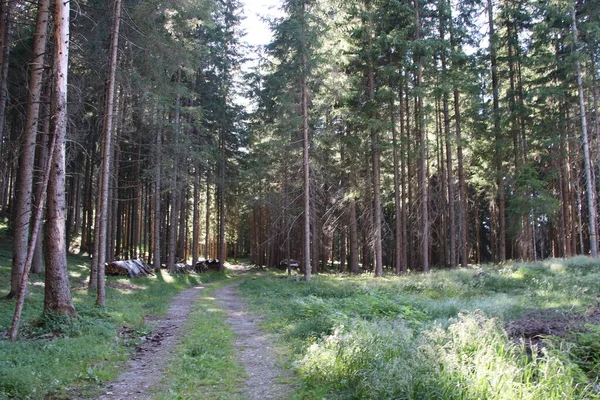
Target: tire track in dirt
{"x":254,"y":349}
{"x":143,"y":372}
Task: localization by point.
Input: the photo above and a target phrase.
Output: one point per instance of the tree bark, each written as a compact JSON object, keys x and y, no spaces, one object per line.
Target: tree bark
{"x":306,"y":161}
{"x":24,"y":191}
{"x":57,"y":295}
{"x":422,"y":151}
{"x":6,"y":11}
{"x":196,"y":218}
{"x":589,"y":183}
{"x":354,"y":267}
{"x":102,"y":233}
{"x":157,"y":242}
{"x":501,"y":196}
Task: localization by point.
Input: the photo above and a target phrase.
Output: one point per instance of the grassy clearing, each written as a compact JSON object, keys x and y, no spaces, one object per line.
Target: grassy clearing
{"x":204,"y":366}
{"x":58,"y":357}
{"x":441,"y":335}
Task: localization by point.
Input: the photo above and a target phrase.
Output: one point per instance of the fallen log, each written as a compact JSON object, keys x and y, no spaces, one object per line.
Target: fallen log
{"x":130,"y":268}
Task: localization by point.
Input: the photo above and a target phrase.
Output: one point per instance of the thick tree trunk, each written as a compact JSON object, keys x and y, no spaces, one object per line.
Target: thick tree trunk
{"x":24,"y":191}
{"x":57,"y":295}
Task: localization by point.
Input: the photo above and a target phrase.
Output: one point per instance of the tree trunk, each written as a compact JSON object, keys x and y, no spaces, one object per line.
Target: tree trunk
{"x":102,"y":233}
{"x":498,"y":159}
{"x":422,"y":152}
{"x":306,"y":166}
{"x":157,"y":242}
{"x":57,"y":295}
{"x":589,"y":183}
{"x":24,"y":191}
{"x":444,"y":19}
{"x":354,"y":267}
{"x":222,"y":254}
{"x":207,"y":227}
{"x":6,"y":10}
{"x":397,"y":203}
{"x":196,"y":218}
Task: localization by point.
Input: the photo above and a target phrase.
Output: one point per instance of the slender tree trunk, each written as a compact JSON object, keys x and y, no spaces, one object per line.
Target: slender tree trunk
{"x":452,"y":226}
{"x":422,"y":151}
{"x":462,"y":184}
{"x":196,"y":218}
{"x":24,"y":191}
{"x":37,"y":264}
{"x":102,"y":233}
{"x":6,"y":11}
{"x":222,"y":220}
{"x":157,"y":242}
{"x":207,"y":227}
{"x":397,"y":204}
{"x":354,"y":267}
{"x":589,"y":183}
{"x":306,"y":168}
{"x":57,"y":295}
{"x":501,"y":196}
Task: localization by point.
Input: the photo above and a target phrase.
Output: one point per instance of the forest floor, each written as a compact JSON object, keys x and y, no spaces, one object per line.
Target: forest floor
{"x":254,"y":350}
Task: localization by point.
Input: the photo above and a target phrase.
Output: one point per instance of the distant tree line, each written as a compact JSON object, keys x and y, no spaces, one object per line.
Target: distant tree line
{"x":442,"y":133}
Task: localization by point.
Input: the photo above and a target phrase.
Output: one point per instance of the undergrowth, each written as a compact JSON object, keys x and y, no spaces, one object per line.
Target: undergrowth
{"x":435,"y":336}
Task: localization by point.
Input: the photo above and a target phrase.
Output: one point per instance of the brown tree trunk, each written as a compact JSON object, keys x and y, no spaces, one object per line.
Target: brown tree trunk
{"x":57,"y":295}
{"x":501,"y":196}
{"x":102,"y":232}
{"x":452,"y":226}
{"x":306,"y":169}
{"x":157,"y":242}
{"x":423,"y":186}
{"x":24,"y":191}
{"x":6,"y":11}
{"x":196,"y":218}
{"x":589,"y":182}
{"x":354,"y":268}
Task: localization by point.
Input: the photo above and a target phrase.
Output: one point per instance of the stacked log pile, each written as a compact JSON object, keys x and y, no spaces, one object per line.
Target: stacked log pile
{"x":207,"y":265}
{"x":181,"y":268}
{"x":130,"y":268}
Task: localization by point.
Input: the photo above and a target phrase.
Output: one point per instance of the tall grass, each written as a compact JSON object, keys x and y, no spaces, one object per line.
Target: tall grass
{"x":434,"y":336}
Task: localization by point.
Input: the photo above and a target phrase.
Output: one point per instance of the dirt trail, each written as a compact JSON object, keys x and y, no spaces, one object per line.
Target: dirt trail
{"x":143,"y":372}
{"x":255,"y":351}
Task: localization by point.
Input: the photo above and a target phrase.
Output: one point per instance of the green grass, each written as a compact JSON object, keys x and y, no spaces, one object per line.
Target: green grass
{"x":435,"y":336}
{"x":204,"y":365}
{"x":59,"y":357}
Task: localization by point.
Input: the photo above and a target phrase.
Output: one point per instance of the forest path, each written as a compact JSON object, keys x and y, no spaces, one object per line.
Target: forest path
{"x":143,"y":372}
{"x":141,"y":375}
{"x":254,"y":349}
